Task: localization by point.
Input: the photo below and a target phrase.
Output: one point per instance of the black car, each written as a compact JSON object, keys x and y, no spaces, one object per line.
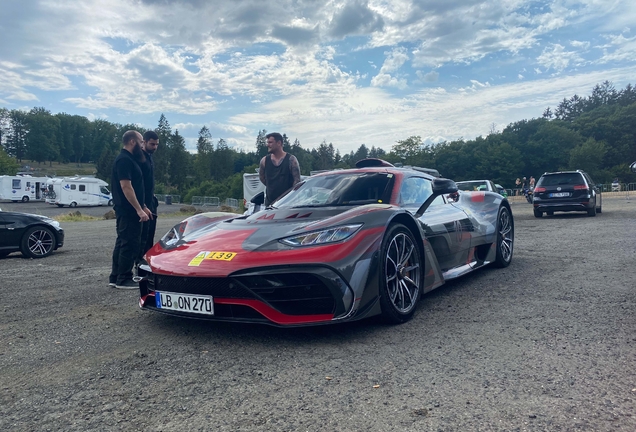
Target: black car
{"x":566,"y":191}
{"x":34,"y":235}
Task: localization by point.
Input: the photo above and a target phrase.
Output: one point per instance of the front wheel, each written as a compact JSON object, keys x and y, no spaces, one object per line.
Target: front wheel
{"x":401,"y":275}
{"x":505,"y":238}
{"x":110,"y":203}
{"x":38,"y":242}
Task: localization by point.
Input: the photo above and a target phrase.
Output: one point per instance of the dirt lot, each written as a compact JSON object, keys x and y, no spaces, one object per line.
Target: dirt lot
{"x":548,"y":344}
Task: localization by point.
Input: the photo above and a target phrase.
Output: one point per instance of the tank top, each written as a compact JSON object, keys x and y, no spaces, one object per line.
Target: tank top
{"x":279,"y":178}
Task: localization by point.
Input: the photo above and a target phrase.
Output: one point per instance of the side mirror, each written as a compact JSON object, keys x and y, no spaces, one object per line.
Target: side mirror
{"x":632,"y":167}
{"x":258,"y":199}
{"x":441,"y":186}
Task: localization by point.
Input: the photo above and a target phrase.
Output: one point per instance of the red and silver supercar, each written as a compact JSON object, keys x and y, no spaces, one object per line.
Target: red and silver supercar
{"x":340,"y":246}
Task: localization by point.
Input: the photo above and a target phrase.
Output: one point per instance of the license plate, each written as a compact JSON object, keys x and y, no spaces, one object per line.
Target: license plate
{"x":559,"y":194}
{"x":185,"y":302}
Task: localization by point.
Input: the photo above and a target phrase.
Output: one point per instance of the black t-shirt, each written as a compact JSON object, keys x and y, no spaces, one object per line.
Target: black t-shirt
{"x":148,"y":171}
{"x":126,"y":168}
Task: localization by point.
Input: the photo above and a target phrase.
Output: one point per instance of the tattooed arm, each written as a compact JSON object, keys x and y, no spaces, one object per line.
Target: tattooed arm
{"x":295,"y":169}
{"x":261,"y":171}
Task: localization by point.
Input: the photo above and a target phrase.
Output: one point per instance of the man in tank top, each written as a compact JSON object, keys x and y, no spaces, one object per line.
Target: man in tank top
{"x":278,"y":171}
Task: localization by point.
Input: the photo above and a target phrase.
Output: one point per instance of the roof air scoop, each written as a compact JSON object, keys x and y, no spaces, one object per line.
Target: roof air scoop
{"x":372,"y":162}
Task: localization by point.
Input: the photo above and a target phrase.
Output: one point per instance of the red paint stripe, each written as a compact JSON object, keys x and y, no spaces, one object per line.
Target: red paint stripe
{"x":478,"y":196}
{"x":274,"y":315}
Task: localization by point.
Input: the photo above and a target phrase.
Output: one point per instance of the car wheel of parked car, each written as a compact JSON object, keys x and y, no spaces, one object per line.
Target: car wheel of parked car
{"x":505,"y":238}
{"x":592,"y":212}
{"x":25,"y":199}
{"x":400,"y":274}
{"x":538,"y":213}
{"x":110,"y":203}
{"x":73,"y":204}
{"x":60,"y":205}
{"x":599,"y":209}
{"x":38,"y":242}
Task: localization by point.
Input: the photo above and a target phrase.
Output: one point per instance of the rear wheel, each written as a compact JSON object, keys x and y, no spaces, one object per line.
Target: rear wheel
{"x":592,"y":212}
{"x":73,"y":204}
{"x":505,"y":238}
{"x":60,"y":205}
{"x":38,"y":242}
{"x":25,"y":199}
{"x":400,"y":274}
{"x":538,"y":213}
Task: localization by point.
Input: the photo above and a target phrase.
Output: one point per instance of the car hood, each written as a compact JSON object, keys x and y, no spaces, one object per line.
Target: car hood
{"x":227,"y":244}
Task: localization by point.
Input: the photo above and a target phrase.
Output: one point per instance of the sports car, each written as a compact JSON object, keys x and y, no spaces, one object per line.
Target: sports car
{"x":34,"y":235}
{"x":340,"y":246}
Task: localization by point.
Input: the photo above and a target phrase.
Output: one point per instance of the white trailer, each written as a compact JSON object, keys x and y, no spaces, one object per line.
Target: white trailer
{"x":78,"y":191}
{"x":23,"y":188}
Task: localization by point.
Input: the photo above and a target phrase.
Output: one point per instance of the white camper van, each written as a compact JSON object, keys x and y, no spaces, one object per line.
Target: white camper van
{"x":23,"y":188}
{"x":78,"y":191}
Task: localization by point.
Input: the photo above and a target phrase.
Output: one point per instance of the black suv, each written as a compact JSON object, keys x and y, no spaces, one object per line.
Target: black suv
{"x":566,"y":191}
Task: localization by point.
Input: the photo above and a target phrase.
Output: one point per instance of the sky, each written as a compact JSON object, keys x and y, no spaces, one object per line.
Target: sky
{"x":348,"y":72}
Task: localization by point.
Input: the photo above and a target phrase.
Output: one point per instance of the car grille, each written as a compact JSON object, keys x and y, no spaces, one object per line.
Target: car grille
{"x":289,"y":293}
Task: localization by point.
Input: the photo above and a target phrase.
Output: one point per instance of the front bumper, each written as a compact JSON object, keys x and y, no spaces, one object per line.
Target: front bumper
{"x":281,"y":296}
{"x":59,"y":234}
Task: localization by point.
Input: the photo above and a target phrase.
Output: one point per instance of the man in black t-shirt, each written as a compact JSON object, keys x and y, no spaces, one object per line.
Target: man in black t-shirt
{"x":130,"y":211}
{"x":278,"y":171}
{"x":149,"y":146}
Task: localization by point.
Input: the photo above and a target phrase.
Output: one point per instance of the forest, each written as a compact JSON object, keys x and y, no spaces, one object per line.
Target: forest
{"x":595,"y":133}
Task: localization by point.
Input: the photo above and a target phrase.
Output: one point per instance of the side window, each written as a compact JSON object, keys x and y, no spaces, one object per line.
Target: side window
{"x":73,"y":187}
{"x":414,"y":191}
{"x":15,"y":184}
{"x":28,"y":184}
{"x":439,"y":200}
{"x":104,"y":190}
{"x":82,"y":188}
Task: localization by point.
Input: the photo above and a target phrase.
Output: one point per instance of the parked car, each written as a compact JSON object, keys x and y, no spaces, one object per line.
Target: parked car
{"x":566,"y":191}
{"x":482,"y":185}
{"x":340,"y":246}
{"x":34,"y":235}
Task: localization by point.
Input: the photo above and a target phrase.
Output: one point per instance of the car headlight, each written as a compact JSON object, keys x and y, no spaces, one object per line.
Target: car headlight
{"x":330,"y":235}
{"x":55,"y":223}
{"x":175,"y":234}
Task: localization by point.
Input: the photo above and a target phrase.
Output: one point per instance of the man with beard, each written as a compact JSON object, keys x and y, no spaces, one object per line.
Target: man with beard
{"x":149,"y":146}
{"x":279,"y":171}
{"x":127,"y":185}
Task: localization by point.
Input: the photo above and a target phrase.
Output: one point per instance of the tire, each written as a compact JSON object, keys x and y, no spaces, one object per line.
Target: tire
{"x":505,"y":238}
{"x":599,"y":209}
{"x":73,"y":204}
{"x":550,"y":213}
{"x":110,"y":203}
{"x":60,"y":205}
{"x":38,"y":242}
{"x":25,"y":199}
{"x":538,"y":213}
{"x":401,"y":275}
{"x":592,"y":212}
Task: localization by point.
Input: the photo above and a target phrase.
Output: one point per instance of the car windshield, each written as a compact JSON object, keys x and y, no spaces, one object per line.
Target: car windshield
{"x":339,"y":189}
{"x":472,"y":186}
{"x":561,"y":179}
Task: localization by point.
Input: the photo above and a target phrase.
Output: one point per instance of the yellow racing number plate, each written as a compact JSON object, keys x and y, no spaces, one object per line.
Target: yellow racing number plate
{"x":221,"y":256}
{"x":218,"y":256}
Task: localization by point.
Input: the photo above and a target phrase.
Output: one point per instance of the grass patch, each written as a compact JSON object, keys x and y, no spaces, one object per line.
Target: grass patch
{"x":75,"y":217}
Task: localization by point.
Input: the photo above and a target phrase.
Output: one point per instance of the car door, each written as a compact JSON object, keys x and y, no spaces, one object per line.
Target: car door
{"x":447,"y":228}
{"x":10,"y":231}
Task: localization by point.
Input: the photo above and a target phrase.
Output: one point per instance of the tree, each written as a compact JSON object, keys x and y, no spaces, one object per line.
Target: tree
{"x":261,"y":144}
{"x":162,"y":156}
{"x":178,"y":161}
{"x":8,"y":165}
{"x":18,"y":130}
{"x":41,"y":141}
{"x":204,"y":153}
{"x":588,"y":157}
{"x":408,"y":147}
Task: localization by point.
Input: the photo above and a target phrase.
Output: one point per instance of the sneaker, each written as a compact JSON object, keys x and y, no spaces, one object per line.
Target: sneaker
{"x":128,"y":284}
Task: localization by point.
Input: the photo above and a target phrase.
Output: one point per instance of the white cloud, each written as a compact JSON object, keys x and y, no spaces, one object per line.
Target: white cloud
{"x":557,"y":58}
{"x":394,"y":61}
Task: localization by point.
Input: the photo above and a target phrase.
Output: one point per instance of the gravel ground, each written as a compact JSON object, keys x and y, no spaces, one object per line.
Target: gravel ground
{"x":548,"y":344}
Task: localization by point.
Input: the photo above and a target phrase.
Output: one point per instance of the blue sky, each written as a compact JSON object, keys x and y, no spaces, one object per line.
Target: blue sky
{"x":345,"y":71}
